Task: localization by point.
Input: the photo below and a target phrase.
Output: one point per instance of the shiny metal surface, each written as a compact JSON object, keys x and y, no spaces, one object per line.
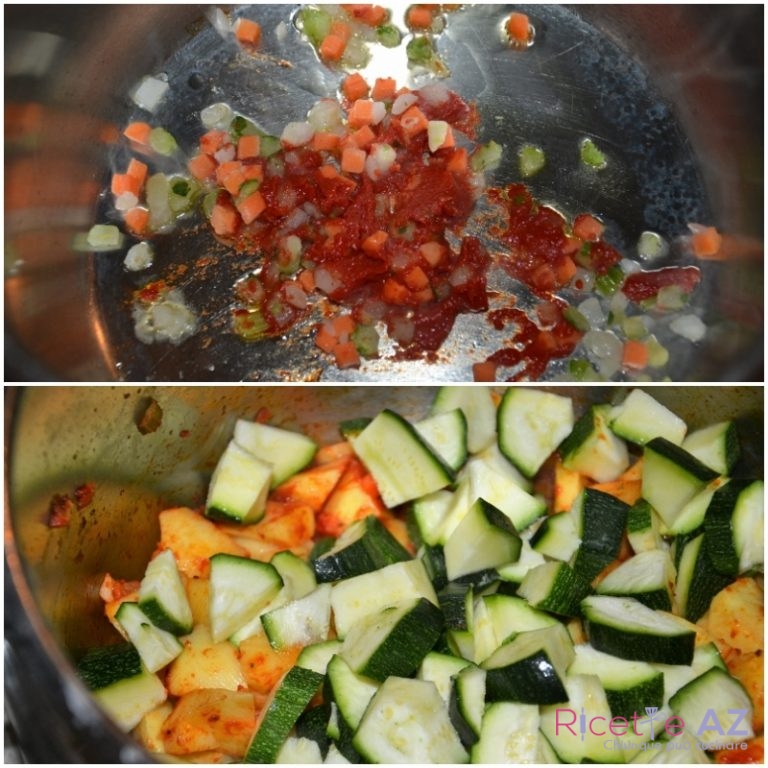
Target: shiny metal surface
{"x":60,"y":437}
{"x":671,"y":92}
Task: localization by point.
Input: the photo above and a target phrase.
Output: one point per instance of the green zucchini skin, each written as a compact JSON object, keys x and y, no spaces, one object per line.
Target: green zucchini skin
{"x":297,"y":688}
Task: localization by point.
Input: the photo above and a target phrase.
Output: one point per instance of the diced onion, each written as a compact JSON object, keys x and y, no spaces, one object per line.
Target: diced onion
{"x":325,"y":115}
{"x":605,"y":350}
{"x":217,"y":116}
{"x":690,"y":327}
{"x":379,"y":112}
{"x":379,"y":160}
{"x":403,"y":330}
{"x":139,"y":257}
{"x":460,"y":276}
{"x":403,"y":102}
{"x":437,"y":132}
{"x":126,"y":201}
{"x":295,"y":296}
{"x":326,"y":281}
{"x":219,"y":21}
{"x":592,"y":310}
{"x":104,"y":237}
{"x":150,"y":92}
{"x":650,"y":246}
{"x":297,"y":134}
{"x":225,"y":154}
{"x":434,"y":93}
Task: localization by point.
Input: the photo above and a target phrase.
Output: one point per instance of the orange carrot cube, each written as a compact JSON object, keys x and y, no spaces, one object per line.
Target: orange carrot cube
{"x":635,"y":354}
{"x":458,"y":162}
{"x":325,"y":338}
{"x":248,"y":32}
{"x":360,"y":113}
{"x":248,"y":146}
{"x":137,"y":220}
{"x":419,"y":17}
{"x":212,"y":141}
{"x":416,"y":279}
{"x":201,"y":166}
{"x":353,"y":160}
{"x":375,"y":242}
{"x":363,"y":137}
{"x":346,"y":355}
{"x":325,"y":140}
{"x":384,"y":89}
{"x":138,"y":132}
{"x":252,"y":207}
{"x":224,"y":219}
{"x":394,"y":292}
{"x":332,"y":48}
{"x":413,"y":121}
{"x":354,"y":86}
{"x":484,"y":371}
{"x":518,"y":27}
{"x":124,"y":182}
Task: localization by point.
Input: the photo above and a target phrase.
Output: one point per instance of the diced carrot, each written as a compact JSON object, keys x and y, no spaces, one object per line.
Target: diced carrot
{"x":343,"y":326}
{"x":346,"y":355}
{"x":419,"y":17}
{"x":212,"y":141}
{"x":353,"y":160}
{"x":332,"y":48}
{"x":424,"y":296}
{"x":372,"y":15}
{"x":341,"y":29}
{"x":458,"y":162}
{"x":360,"y":113}
{"x":432,"y":252}
{"x":248,"y":146}
{"x":123,"y":182}
{"x":137,"y":170}
{"x":354,"y":86}
{"x":565,"y":269}
{"x":484,"y":371}
{"x":394,"y":292}
{"x":416,"y":279}
{"x":306,"y":280}
{"x":248,"y":32}
{"x":448,"y":140}
{"x":138,"y":131}
{"x":325,"y":140}
{"x":363,"y":137}
{"x":384,"y":89}
{"x":518,"y":27}
{"x":374,"y":243}
{"x":253,"y":171}
{"x":635,"y":354}
{"x":224,"y":219}
{"x":413,"y":121}
{"x":137,"y":220}
{"x":252,"y":207}
{"x":706,"y":242}
{"x":586,"y":227}
{"x":201,"y":166}
{"x":230,"y":175}
{"x":326,"y":338}
{"x":328,"y":171}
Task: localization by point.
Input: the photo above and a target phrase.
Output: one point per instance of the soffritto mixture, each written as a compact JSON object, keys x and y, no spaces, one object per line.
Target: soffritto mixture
{"x":505,"y":579}
{"x":357,"y":215}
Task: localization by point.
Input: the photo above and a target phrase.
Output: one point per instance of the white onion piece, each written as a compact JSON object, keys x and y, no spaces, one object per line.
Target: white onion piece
{"x":219,"y":21}
{"x":690,"y":327}
{"x":403,"y":102}
{"x":139,"y":257}
{"x":403,"y":330}
{"x":297,"y":134}
{"x":400,"y":261}
{"x":379,"y":160}
{"x":295,"y":219}
{"x":225,"y":154}
{"x":325,"y":115}
{"x":295,"y":296}
{"x":583,"y":280}
{"x":460,"y":276}
{"x":605,"y":350}
{"x":217,"y":116}
{"x":126,"y":201}
{"x":434,"y":93}
{"x":326,"y":281}
{"x":592,"y":310}
{"x":629,"y":267}
{"x":150,"y":92}
{"x":281,"y":32}
{"x":379,"y":112}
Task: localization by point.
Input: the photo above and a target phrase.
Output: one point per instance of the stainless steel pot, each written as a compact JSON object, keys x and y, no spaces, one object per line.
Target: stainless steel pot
{"x":58,"y":438}
{"x":673,"y":91}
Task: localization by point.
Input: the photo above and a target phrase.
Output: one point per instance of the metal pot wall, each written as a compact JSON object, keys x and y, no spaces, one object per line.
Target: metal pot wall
{"x":59,"y":438}
{"x":675,"y":90}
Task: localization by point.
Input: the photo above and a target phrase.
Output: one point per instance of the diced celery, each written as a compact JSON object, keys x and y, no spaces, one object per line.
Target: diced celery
{"x":591,"y":155}
{"x":486,"y":157}
{"x":419,"y":50}
{"x":315,"y":24}
{"x":104,"y":237}
{"x":576,"y":319}
{"x":388,"y":35}
{"x":249,"y":324}
{"x":366,"y":340}
{"x":531,"y":159}
{"x":162,"y":142}
{"x":609,"y":282}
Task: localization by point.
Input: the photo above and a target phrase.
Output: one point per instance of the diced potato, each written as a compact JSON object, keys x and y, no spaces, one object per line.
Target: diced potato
{"x":262,"y":665}
{"x":199,"y":595}
{"x":288,"y":526}
{"x":748,"y":669}
{"x":205,"y":664}
{"x":735,"y":616}
{"x":356,"y":496}
{"x":149,"y":732}
{"x":193,"y":540}
{"x":628,"y":487}
{"x":312,"y":486}
{"x":327,"y":454}
{"x":114,"y":592}
{"x":568,"y":484}
{"x":211,"y":719}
